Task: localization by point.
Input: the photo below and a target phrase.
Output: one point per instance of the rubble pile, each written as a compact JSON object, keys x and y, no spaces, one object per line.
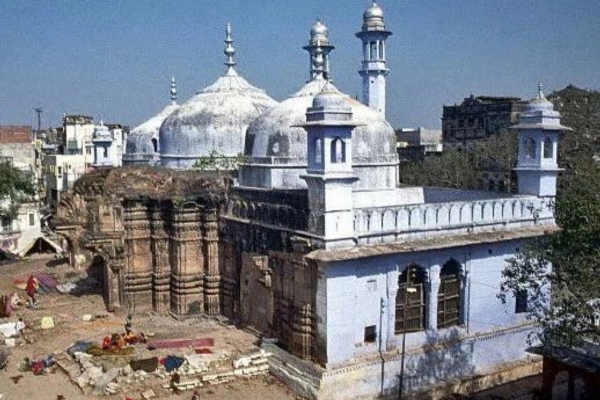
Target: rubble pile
{"x":111,"y":375}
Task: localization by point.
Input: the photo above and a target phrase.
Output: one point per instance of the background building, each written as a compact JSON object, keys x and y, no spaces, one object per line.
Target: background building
{"x":415,"y":143}
{"x":477,"y":118}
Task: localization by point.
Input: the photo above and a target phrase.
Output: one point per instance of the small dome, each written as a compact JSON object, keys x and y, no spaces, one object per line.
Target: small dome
{"x":319,"y":28}
{"x":329,"y":98}
{"x":374,"y":11}
{"x":319,"y":35}
{"x":373,"y":18}
{"x":101,"y":131}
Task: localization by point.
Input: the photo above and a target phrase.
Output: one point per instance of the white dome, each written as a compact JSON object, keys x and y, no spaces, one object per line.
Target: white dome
{"x":214,"y":120}
{"x":276,"y":138}
{"x":142,"y":141}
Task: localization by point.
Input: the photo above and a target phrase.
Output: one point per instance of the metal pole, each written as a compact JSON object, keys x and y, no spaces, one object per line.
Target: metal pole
{"x":408,"y":271}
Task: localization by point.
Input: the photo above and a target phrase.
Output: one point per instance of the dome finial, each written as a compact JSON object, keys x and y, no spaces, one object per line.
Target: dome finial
{"x":229,"y":50}
{"x":540,"y":94}
{"x":173,"y":91}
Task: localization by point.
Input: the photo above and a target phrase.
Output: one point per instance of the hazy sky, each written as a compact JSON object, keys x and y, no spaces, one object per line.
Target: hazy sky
{"x":113,"y":59}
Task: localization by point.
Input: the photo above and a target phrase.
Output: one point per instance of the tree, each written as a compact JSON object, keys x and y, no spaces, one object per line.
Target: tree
{"x":572,"y":310}
{"x":16,"y":186}
{"x":464,"y":169}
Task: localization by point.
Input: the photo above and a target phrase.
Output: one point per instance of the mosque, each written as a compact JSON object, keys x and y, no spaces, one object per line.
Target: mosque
{"x":359,"y":287}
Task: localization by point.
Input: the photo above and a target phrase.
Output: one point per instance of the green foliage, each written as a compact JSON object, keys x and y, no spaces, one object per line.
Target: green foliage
{"x":573,"y":252}
{"x":217,"y":161}
{"x":463,"y":169}
{"x":16,"y":186}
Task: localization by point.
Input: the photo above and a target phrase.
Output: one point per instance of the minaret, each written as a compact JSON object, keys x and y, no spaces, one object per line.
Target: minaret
{"x":330,"y":176}
{"x":229,"y":52}
{"x":538,"y":130}
{"x":374,"y":70}
{"x":318,"y":49}
{"x":173,"y":91}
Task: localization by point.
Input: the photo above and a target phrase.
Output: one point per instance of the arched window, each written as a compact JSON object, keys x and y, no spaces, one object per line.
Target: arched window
{"x":155,"y":145}
{"x":548,"y":148}
{"x":449,"y":295}
{"x":530,"y":148}
{"x":410,"y":300}
{"x":381,"y":51}
{"x":105,"y":152}
{"x":338,"y":151}
{"x":373,"y":51}
{"x":318,"y":151}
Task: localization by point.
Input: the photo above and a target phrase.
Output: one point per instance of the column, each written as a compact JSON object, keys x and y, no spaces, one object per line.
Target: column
{"x":433,"y":286}
{"x":390,"y":308}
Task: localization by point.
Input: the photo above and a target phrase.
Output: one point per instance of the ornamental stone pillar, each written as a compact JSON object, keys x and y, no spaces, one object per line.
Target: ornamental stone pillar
{"x":211,"y":257}
{"x":433,"y":287}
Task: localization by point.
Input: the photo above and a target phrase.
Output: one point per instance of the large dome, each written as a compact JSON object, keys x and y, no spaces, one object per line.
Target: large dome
{"x":276,"y":144}
{"x":214,"y":121}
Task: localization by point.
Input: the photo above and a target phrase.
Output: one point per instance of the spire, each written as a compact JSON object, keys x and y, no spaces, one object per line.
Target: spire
{"x":318,"y":49}
{"x":229,"y":51}
{"x":318,"y":70}
{"x":173,"y":91}
{"x":540,"y":94}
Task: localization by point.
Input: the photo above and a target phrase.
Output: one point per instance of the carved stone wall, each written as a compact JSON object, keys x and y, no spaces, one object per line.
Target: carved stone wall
{"x":240,"y":258}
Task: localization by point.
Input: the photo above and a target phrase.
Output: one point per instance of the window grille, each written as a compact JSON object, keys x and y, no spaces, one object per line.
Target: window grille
{"x":411,"y":319}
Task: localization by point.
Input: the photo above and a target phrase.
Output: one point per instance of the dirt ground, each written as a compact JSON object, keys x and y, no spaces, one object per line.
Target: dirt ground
{"x":67,"y":311}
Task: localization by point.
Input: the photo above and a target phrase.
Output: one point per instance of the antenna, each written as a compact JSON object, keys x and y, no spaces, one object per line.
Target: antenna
{"x":39,"y":111}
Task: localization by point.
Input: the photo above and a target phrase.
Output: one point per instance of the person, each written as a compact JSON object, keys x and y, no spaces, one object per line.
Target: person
{"x":128,"y":329}
{"x":31,"y":289}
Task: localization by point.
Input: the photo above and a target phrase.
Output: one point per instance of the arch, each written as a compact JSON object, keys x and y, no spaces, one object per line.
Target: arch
{"x":548,"y":148}
{"x":155,"y":145}
{"x":236,"y":209}
{"x":454,"y":215}
{"x":410,"y":300}
{"x":318,"y":150}
{"x":252,"y":211}
{"x":498,"y":210}
{"x":530,"y":148}
{"x":244,"y":210}
{"x":487,"y":212}
{"x":449,"y":295}
{"x":367,"y":222}
{"x":443,"y":216}
{"x":429,"y":217}
{"x":338,"y":151}
{"x":466,"y":213}
{"x":389,"y":220}
{"x":403,"y":219}
{"x":373,"y":50}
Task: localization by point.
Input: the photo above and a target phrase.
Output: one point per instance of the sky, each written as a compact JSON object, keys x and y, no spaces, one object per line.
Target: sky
{"x":113,"y":59}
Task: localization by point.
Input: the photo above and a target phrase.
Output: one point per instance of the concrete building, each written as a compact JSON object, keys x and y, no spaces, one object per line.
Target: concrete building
{"x":415,"y":143}
{"x":60,"y":172}
{"x":16,"y":146}
{"x":78,"y":133}
{"x":477,"y":118}
{"x":361,"y":287}
{"x":108,"y":145}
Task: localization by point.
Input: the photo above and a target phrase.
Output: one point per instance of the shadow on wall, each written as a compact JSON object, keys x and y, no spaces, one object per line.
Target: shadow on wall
{"x":444,"y":361}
